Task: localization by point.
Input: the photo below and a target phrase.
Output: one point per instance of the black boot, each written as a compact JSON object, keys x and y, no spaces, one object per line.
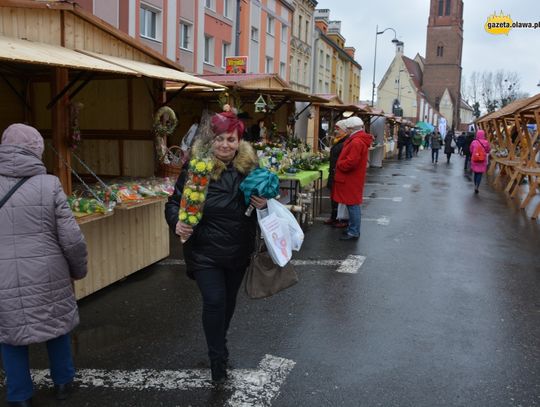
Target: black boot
{"x":62,"y":391}
{"x":25,"y":403}
{"x":219,"y":371}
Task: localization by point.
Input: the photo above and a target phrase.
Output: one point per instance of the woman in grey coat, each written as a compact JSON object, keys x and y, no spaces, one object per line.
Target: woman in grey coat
{"x":42,"y":250}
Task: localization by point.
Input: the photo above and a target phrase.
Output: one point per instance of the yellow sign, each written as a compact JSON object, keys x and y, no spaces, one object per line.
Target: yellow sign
{"x":498,"y":24}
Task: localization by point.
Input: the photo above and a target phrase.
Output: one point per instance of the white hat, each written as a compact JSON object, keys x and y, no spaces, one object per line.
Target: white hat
{"x":351,"y":123}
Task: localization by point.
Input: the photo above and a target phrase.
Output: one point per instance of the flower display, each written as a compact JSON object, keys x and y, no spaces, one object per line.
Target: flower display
{"x":194,"y":193}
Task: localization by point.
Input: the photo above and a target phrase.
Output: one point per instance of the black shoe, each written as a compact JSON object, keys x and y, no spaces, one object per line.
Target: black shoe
{"x":219,"y":371}
{"x":62,"y":391}
{"x":25,"y":403}
{"x":349,"y":237}
{"x":475,"y":190}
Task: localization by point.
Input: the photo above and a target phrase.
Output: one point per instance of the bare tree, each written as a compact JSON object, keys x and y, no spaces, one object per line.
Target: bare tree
{"x":488,"y":92}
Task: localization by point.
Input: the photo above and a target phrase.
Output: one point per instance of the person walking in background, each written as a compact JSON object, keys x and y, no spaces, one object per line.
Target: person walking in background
{"x":349,"y":179}
{"x":402,"y":141}
{"x":217,"y":250}
{"x":416,"y":141}
{"x":461,"y":143}
{"x":42,"y":251}
{"x":436,"y":143}
{"x":427,"y":137}
{"x":479,"y":149}
{"x":408,"y":144}
{"x":448,"y":146}
{"x":341,"y":132}
{"x":467,"y":149}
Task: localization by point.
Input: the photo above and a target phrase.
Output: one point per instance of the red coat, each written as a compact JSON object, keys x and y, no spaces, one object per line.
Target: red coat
{"x":351,"y":169}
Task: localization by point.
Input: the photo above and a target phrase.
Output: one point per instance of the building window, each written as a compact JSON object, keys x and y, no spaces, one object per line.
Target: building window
{"x":227,"y":8}
{"x":225,"y":52}
{"x":284,"y":33}
{"x":282,"y":68}
{"x":321,"y":90}
{"x":270,"y":21}
{"x":327,"y":62}
{"x":298,"y":65}
{"x":321,"y":58}
{"x":149,"y":21}
{"x":305,"y":73}
{"x":186,"y":35}
{"x":254,"y":34}
{"x":269,"y":67}
{"x":441,"y":7}
{"x":307,"y":31}
{"x":448,"y":6}
{"x":299,"y":27}
{"x":211,"y":4}
{"x":209,"y":50}
{"x":440,"y":50}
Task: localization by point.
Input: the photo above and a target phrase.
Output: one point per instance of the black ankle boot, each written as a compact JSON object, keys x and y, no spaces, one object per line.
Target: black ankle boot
{"x":219,"y":371}
{"x":62,"y":391}
{"x":25,"y":403}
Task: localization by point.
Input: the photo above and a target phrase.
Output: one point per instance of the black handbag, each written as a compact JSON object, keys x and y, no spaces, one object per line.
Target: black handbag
{"x":263,"y":277}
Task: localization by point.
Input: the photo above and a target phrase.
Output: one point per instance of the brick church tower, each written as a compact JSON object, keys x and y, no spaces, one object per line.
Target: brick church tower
{"x":443,"y":55}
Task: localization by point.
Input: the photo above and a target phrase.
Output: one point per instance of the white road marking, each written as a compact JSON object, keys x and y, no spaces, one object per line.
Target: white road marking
{"x":407,"y":185}
{"x":251,"y":388}
{"x":352,"y":264}
{"x":394,"y":199}
{"x":383,"y":220}
{"x":295,"y":262}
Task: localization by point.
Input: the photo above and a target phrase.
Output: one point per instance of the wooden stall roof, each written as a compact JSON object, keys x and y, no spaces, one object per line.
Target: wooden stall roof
{"x":23,"y":41}
{"x":531,"y":107}
{"x":268,"y":84}
{"x":511,"y":108}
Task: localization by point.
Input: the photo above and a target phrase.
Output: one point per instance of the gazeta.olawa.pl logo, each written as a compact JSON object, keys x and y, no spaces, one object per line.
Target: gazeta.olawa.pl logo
{"x":501,"y":23}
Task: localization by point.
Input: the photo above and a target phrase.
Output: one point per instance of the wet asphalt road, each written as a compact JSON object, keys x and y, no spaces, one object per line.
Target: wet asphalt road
{"x":445,"y":310}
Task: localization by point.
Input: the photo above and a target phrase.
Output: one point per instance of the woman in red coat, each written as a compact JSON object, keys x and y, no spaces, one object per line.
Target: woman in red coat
{"x":350,"y":174}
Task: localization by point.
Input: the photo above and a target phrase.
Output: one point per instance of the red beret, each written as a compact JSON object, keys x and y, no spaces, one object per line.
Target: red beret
{"x":227,"y":122}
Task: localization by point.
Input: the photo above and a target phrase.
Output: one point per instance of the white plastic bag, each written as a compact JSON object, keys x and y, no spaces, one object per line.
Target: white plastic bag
{"x":297,"y":234}
{"x":276,"y":237}
{"x":342,"y":212}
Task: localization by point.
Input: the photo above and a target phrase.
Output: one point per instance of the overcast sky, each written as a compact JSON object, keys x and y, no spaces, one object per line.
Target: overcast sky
{"x":517,"y":51}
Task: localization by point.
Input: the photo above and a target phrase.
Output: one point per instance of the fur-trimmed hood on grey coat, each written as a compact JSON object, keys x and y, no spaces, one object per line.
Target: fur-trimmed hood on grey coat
{"x":41,"y":250}
{"x":225,"y":236}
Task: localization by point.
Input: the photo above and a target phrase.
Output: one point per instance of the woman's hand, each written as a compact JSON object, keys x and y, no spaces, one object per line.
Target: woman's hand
{"x":258,"y":202}
{"x":183,"y":230}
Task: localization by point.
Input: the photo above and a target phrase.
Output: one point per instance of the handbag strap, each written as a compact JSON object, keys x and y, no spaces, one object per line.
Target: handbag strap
{"x":12,"y":190}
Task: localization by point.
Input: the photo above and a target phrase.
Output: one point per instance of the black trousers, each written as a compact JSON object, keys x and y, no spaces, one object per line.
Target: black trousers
{"x":219,"y":288}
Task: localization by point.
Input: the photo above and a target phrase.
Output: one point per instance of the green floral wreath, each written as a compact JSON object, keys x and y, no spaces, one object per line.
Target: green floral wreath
{"x":164,"y":128}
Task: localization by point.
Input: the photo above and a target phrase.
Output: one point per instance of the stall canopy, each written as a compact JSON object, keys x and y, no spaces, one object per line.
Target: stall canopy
{"x":250,"y":85}
{"x":34,"y":52}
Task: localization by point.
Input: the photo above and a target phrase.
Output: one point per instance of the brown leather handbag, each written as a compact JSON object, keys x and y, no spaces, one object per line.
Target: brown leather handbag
{"x":263,"y":277}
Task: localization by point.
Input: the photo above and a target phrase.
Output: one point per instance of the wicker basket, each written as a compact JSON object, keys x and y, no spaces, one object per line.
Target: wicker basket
{"x":173,"y":169}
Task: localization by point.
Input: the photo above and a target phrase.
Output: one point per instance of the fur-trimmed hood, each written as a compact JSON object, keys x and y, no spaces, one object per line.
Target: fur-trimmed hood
{"x":244,"y":161}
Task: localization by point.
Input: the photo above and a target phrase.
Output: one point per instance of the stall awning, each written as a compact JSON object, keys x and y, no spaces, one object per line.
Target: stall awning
{"x":39,"y":53}
{"x":155,"y":71}
{"x":16,"y":50}
{"x":254,"y":84}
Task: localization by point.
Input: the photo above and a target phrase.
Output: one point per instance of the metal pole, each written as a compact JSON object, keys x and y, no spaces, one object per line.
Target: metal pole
{"x":374,"y":65}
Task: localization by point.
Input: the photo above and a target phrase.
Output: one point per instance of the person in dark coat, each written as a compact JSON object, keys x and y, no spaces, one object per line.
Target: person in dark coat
{"x":436,"y":142}
{"x":351,"y":167}
{"x":340,"y":135}
{"x":402,"y":141}
{"x":448,"y":148}
{"x":467,"y":149}
{"x":460,"y":143}
{"x":42,"y":250}
{"x":217,"y":250}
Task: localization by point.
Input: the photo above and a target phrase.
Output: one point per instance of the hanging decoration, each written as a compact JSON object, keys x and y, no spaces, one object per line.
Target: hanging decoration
{"x":260,"y":105}
{"x":165,"y":122}
{"x":75,"y":130}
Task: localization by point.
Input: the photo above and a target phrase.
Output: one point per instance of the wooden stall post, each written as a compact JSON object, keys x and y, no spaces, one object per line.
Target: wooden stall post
{"x":60,"y":125}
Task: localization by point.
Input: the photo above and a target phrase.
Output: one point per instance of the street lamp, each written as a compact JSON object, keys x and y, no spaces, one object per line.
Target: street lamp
{"x":395,"y":41}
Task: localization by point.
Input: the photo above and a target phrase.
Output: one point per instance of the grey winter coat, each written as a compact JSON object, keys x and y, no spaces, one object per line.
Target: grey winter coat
{"x":41,"y":250}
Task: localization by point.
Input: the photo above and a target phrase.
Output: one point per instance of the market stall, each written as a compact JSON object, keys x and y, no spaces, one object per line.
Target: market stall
{"x":92,"y":91}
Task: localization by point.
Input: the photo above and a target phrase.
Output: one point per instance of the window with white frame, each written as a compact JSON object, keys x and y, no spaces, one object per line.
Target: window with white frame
{"x":284,"y":33}
{"x":211,"y":4}
{"x":150,"y":22}
{"x":227,"y":12}
{"x":208,"y":50}
{"x":270,"y":23}
{"x":186,"y":36}
{"x":282,"y":72}
{"x":225,"y":52}
{"x":269,"y":67}
{"x":327,"y":62}
{"x":254,"y":34}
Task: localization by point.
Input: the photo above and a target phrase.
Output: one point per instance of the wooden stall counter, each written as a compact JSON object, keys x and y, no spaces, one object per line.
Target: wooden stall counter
{"x":122,"y":242}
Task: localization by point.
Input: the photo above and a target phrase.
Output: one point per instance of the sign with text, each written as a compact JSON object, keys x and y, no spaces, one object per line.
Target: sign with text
{"x":235,"y":65}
